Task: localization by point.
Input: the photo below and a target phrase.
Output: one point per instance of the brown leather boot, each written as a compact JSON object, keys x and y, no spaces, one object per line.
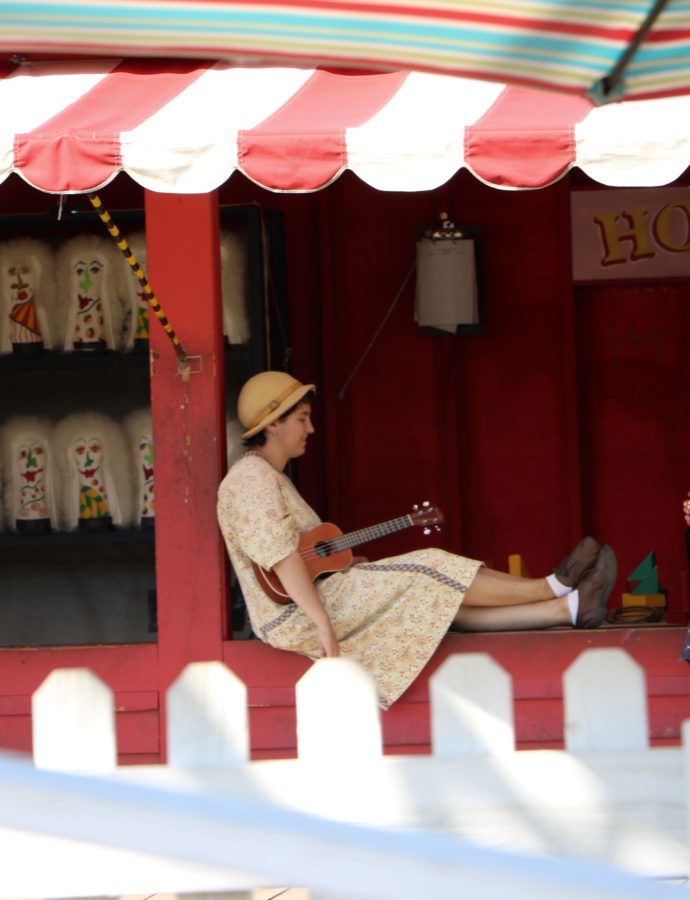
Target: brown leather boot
{"x":573,"y":567}
{"x":594,"y":590}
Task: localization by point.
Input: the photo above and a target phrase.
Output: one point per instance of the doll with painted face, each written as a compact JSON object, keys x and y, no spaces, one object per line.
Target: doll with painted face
{"x":29,"y":488}
{"x":95,"y":489}
{"x":233,"y":268}
{"x":89,"y":290}
{"x":27,"y":292}
{"x":140,"y":440}
{"x":136,"y":309}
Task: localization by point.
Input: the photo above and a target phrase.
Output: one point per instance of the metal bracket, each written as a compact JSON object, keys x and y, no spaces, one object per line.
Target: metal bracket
{"x":193,"y":365}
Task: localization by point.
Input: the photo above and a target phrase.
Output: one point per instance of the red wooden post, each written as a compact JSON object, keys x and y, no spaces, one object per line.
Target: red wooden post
{"x":189,"y":430}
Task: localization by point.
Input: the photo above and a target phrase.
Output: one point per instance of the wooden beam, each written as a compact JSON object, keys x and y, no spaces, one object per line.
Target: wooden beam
{"x":183,"y":257}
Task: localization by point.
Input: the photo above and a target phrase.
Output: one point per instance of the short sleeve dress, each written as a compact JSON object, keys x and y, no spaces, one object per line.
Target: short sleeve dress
{"x":388,"y":615}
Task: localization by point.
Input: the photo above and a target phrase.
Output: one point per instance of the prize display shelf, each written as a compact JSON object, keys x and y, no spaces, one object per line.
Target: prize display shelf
{"x":98,"y":587}
{"x":79,"y":587}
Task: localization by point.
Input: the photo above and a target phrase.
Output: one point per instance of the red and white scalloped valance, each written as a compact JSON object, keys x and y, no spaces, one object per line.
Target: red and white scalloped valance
{"x":185,"y":126}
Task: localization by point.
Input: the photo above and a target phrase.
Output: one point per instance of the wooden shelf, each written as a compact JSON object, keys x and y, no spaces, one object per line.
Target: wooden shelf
{"x":77,"y":360}
{"x":58,"y":539}
{"x":136,"y":359}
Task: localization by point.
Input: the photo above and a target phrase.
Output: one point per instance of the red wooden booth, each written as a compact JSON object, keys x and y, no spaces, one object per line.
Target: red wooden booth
{"x":563,"y":413}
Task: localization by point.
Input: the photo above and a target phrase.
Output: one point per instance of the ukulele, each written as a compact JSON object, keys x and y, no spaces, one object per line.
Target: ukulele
{"x":326,"y":549}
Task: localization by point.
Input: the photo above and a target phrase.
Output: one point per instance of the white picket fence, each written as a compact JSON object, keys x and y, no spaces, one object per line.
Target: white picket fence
{"x":605,"y":818}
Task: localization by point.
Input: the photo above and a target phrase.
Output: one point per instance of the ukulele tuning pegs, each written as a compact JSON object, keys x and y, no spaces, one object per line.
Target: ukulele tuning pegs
{"x":437,"y":527}
{"x":426,"y":504}
{"x":415,"y":507}
{"x":427,"y":531}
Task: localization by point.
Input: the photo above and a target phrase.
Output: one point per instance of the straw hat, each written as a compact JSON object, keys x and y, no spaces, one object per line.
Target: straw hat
{"x":265,"y":397}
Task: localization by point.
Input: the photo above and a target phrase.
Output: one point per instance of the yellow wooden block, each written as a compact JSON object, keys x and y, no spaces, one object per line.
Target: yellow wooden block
{"x":644,"y":600}
{"x":516,"y":566}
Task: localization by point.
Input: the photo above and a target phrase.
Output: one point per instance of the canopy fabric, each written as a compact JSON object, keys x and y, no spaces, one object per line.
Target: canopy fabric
{"x":185,"y":127}
{"x":554,"y":43}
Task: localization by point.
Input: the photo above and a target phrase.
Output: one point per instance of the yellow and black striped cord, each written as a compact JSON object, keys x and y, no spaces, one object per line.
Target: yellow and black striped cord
{"x":140,"y":275}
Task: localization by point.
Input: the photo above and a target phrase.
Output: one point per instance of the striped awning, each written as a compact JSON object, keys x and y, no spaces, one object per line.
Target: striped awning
{"x":185,"y":127}
{"x":639,"y":47}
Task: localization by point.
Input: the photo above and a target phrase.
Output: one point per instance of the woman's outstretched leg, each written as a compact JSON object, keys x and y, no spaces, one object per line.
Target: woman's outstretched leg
{"x":537,"y":615}
{"x":492,"y":588}
{"x":495,"y":602}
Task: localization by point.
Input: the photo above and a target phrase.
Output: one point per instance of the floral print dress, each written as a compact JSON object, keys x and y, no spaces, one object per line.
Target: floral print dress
{"x":388,"y":615}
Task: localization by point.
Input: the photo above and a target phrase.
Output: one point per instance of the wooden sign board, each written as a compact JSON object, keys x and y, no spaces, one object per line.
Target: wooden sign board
{"x":630,"y":234}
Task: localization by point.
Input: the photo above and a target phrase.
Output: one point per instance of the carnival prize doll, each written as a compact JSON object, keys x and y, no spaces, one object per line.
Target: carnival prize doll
{"x":90,"y":287}
{"x":91,"y":452}
{"x":139,"y":434}
{"x":136,"y":314}
{"x":27,"y":296}
{"x":29,"y":475}
{"x":233,"y":267}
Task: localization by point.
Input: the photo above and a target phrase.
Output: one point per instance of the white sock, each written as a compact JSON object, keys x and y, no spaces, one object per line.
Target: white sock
{"x":559,"y":589}
{"x":574,"y":604}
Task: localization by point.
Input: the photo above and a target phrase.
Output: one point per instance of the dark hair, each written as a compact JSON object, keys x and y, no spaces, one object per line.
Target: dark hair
{"x":259,"y":439}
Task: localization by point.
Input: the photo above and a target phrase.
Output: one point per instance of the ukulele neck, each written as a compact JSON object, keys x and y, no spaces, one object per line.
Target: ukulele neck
{"x":354,"y":538}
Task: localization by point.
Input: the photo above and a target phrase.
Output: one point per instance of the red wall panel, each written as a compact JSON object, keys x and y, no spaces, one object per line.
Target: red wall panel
{"x":634,"y":380}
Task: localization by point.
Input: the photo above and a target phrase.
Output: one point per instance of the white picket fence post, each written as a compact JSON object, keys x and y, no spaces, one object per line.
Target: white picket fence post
{"x":343,"y":819}
{"x":471,"y":707}
{"x":73,"y":720}
{"x":338,"y":718}
{"x":605,"y":702}
{"x":207,"y":718}
{"x":208,"y":728}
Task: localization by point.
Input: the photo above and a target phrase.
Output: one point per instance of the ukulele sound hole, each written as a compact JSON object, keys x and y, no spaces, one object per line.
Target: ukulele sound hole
{"x":322,"y":549}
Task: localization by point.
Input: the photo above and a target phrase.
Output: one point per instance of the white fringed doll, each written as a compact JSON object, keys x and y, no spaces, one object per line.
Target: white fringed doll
{"x":139,"y":433}
{"x":29,"y":475}
{"x":91,"y":454}
{"x":27,"y":293}
{"x":233,"y":439}
{"x":136,"y":312}
{"x":233,"y":267}
{"x":90,"y":285}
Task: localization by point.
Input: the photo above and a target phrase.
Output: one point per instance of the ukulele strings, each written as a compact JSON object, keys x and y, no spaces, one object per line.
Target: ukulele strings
{"x":345,"y":541}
